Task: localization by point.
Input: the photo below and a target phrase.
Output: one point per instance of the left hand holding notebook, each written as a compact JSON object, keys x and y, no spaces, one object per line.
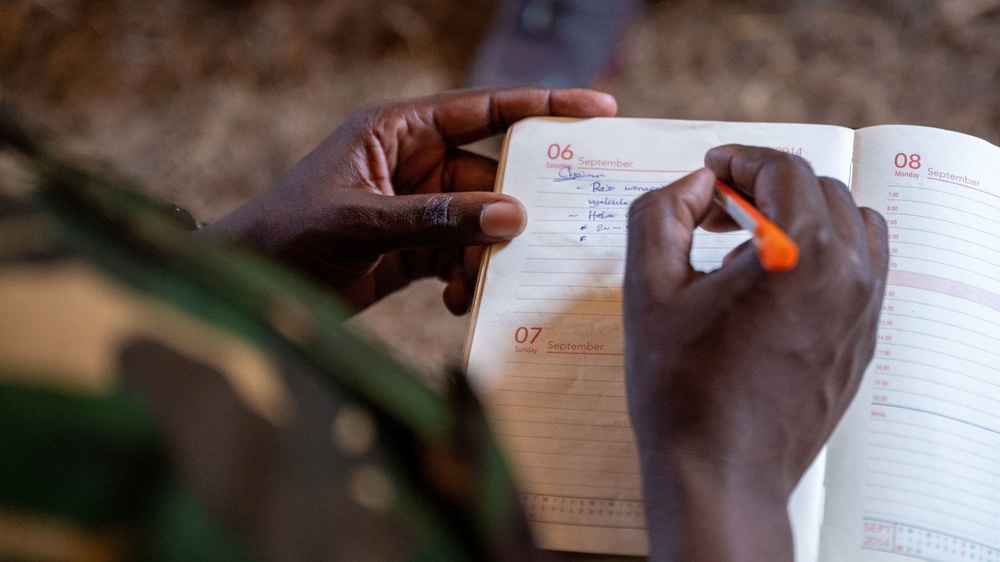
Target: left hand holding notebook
{"x":389,"y":197}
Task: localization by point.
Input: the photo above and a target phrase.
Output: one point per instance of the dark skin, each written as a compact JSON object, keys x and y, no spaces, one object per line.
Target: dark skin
{"x":389,"y":198}
{"x":737,"y":377}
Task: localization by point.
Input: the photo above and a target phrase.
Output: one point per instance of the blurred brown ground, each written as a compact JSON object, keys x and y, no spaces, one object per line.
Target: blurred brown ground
{"x":208,"y":102}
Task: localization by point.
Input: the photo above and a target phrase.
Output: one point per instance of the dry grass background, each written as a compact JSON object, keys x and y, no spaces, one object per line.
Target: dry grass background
{"x":208,"y":102}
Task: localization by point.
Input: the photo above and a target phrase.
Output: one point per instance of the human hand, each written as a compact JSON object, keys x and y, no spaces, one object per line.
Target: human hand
{"x":388,"y":198}
{"x":736,"y":378}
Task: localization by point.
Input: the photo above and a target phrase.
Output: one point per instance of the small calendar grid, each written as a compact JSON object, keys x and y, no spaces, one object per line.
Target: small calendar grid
{"x":923,"y":544}
{"x":584,"y":512}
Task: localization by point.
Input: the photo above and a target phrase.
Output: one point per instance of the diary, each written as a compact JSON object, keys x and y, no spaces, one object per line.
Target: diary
{"x":913,"y":469}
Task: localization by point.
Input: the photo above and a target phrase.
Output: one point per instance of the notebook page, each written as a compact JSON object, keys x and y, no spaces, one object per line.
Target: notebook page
{"x":914,"y":469}
{"x":546,"y":348}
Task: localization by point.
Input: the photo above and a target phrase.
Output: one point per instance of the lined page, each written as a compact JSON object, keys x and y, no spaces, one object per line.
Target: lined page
{"x":546,"y":348}
{"x":914,"y":469}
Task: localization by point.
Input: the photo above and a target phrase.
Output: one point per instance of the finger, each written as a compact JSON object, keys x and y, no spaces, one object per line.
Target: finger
{"x":381,"y":223}
{"x":718,"y":220}
{"x":844,"y":214}
{"x":461,"y":284}
{"x":736,"y":254}
{"x":878,"y":252}
{"x":465,"y":171}
{"x":661,"y":225}
{"x":457,"y":297}
{"x":466,"y":116}
{"x":784,"y":187}
{"x":877,"y":238}
{"x":460,"y":170}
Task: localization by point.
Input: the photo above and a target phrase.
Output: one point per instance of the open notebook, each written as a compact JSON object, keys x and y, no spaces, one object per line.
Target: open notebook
{"x":913,"y":470}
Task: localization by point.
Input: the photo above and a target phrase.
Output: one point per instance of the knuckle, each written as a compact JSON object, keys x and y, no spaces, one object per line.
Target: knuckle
{"x":862,"y":283}
{"x":798,"y":162}
{"x":846,"y":267}
{"x":781,"y":162}
{"x":833,"y":183}
{"x":437,"y":214}
{"x":787,"y":169}
{"x":876,"y":221}
{"x":786,"y":160}
{"x":856,"y":277}
{"x":823,"y":243}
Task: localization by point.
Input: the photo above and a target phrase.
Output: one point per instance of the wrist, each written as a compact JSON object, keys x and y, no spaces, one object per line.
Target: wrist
{"x":696,"y":511}
{"x":243,"y":226}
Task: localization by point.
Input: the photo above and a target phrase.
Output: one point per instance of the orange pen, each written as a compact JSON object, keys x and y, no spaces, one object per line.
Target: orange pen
{"x":777,"y":252}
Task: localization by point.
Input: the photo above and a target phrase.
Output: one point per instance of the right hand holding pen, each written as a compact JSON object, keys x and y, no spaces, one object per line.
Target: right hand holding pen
{"x":737,"y":377}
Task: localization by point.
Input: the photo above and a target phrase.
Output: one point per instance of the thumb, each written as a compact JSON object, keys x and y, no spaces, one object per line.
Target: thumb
{"x":660,"y":230}
{"x":444,"y":219}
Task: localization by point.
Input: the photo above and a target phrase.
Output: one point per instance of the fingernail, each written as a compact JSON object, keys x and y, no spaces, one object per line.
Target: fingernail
{"x":503,"y":219}
{"x":610,"y":100}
